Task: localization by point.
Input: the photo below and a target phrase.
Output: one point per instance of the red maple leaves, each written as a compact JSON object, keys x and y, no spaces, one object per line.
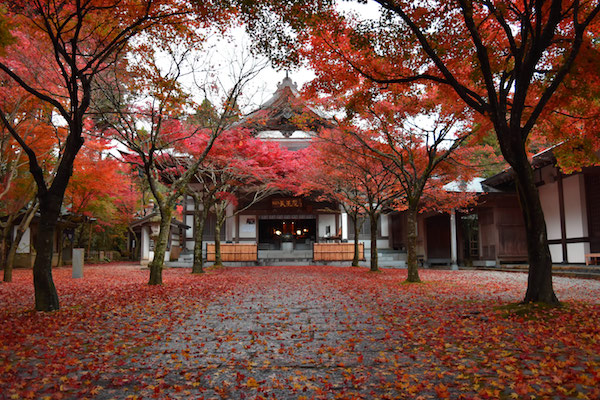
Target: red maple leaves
{"x":301,"y":332}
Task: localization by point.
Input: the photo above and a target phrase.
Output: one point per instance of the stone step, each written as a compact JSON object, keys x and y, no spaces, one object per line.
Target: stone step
{"x":388,"y":256}
{"x":305,"y":257}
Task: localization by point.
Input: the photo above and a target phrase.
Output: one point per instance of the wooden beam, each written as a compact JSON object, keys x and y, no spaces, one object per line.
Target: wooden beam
{"x":561,"y":208}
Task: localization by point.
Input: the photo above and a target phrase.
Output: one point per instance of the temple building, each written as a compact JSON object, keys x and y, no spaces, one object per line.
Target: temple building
{"x":287,"y":228}
{"x":284,"y":226}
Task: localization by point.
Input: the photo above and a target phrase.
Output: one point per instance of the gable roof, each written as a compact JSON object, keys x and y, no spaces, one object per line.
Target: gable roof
{"x":285,"y":112}
{"x":539,"y":160}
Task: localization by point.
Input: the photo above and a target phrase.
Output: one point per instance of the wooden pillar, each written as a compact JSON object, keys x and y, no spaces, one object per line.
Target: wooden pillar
{"x":317,"y":232}
{"x":561,"y":208}
{"x":236,"y":239}
{"x":453,"y":242}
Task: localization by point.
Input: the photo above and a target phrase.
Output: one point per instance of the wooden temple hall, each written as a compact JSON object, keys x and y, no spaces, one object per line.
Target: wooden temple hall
{"x":286,"y":228}
{"x":281,"y":226}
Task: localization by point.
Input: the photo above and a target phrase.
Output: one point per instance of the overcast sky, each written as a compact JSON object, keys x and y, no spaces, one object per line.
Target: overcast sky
{"x":226,"y":54}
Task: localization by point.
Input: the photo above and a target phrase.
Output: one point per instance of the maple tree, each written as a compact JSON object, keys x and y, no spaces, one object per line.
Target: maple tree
{"x":373,"y":187}
{"x":10,"y":170}
{"x":97,"y":176}
{"x":18,"y":204}
{"x":239,"y":171}
{"x":151,"y":152}
{"x":215,"y":175}
{"x":159,"y":147}
{"x":320,"y":175}
{"x":101,"y":190}
{"x":59,"y":49}
{"x":19,"y":214}
{"x":506,"y":61}
{"x":421,"y":143}
{"x":203,"y":202}
{"x":254,"y":171}
{"x":574,"y":116}
{"x":204,"y":185}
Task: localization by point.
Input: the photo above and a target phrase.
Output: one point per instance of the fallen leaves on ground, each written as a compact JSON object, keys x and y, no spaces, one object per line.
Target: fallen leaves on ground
{"x":297,"y":333}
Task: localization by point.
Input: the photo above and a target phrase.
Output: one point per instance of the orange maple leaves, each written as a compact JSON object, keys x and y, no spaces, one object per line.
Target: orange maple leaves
{"x":301,"y":332}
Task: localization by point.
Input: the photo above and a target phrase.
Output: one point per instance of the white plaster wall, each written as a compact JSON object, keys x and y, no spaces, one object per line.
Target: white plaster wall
{"x":576,"y":252}
{"x":385,"y":225}
{"x":575,"y":209}
{"x":550,"y":205}
{"x":189,"y":221}
{"x":381,"y":243}
{"x":146,"y":244}
{"x":167,"y":255}
{"x":174,"y":238}
{"x":324,"y":221}
{"x":556,"y":253}
{"x":344,"y":218}
{"x":248,"y":230}
{"x":25,"y":244}
{"x":189,"y":232}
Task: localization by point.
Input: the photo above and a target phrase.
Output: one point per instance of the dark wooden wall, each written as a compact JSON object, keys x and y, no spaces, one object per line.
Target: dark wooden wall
{"x":438,"y":236}
{"x":592,"y":188}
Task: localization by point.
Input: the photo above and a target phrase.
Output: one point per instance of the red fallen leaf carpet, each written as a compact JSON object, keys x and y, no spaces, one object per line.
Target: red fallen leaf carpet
{"x":298,"y":333}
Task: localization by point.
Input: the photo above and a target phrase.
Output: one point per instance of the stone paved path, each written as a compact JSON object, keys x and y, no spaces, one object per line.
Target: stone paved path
{"x":297,"y":334}
{"x":293,"y":333}
{"x":300,"y":333}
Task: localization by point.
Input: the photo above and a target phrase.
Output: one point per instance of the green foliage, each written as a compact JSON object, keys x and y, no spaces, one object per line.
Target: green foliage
{"x":6,"y":37}
{"x":206,"y":115}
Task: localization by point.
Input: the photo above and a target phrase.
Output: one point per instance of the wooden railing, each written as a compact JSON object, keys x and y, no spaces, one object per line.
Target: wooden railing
{"x":233,"y":252}
{"x":592,"y":258}
{"x":337,"y":251}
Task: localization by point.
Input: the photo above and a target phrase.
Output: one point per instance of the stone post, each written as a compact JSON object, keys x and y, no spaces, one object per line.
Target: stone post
{"x":77,"y":263}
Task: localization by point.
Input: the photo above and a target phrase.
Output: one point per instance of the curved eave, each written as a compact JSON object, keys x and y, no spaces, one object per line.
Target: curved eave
{"x":540,"y":160}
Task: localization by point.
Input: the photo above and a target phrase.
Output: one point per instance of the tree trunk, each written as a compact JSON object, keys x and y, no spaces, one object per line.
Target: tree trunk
{"x":79,"y":235}
{"x":60,"y":234}
{"x":199,"y":222}
{"x":10,"y":262}
{"x":218,"y":261}
{"x":89,"y":243}
{"x":46,"y":297}
{"x":374,"y":259}
{"x":355,"y":260}
{"x":7,"y":228}
{"x":21,"y":229}
{"x":539,"y":282}
{"x":412,"y":262}
{"x":160,"y":247}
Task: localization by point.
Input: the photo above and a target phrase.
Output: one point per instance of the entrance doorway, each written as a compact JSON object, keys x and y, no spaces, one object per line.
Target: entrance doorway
{"x":301,"y":233}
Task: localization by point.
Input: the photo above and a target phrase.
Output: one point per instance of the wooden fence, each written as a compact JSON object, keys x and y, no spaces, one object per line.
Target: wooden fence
{"x":233,"y":252}
{"x":337,"y":251}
